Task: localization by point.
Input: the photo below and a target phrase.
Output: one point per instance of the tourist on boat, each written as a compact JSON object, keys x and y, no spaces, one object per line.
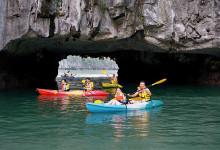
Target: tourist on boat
{"x":89,"y":85}
{"x":114,"y":79}
{"x":119,"y":98}
{"x":64,"y":85}
{"x":142,"y":93}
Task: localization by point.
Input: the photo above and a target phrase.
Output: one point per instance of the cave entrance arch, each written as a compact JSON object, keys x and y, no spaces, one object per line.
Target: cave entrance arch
{"x":39,"y":66}
{"x":74,"y":69}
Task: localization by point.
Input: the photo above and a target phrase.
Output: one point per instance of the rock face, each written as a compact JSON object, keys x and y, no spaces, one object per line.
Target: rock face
{"x":169,"y":24}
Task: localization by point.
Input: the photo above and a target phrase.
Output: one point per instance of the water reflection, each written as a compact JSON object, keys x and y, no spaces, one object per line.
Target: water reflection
{"x":104,"y":118}
{"x":55,"y":102}
{"x":138,"y":121}
{"x":43,"y":98}
{"x":66,"y":102}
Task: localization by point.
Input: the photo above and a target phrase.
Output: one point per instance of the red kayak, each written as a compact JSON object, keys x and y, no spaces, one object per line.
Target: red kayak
{"x":72,"y":93}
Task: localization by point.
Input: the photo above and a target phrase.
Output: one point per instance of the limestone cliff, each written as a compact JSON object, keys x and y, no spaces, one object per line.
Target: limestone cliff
{"x":180,"y":25}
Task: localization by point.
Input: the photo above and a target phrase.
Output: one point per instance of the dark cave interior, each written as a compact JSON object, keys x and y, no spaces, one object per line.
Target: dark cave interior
{"x":40,"y":69}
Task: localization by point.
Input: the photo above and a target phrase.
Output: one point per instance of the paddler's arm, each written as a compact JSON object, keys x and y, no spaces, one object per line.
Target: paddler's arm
{"x":148,"y":91}
{"x":133,"y":95}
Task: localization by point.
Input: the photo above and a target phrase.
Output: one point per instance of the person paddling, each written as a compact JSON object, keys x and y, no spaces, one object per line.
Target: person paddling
{"x":65,"y":86}
{"x":119,"y":95}
{"x":88,"y":85}
{"x":119,"y":98}
{"x":142,"y":93}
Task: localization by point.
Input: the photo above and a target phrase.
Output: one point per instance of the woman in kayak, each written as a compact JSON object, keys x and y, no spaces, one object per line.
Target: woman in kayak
{"x":119,"y":99}
{"x":114,"y":79}
{"x":89,"y":85}
{"x":65,"y":86}
{"x":142,"y":93}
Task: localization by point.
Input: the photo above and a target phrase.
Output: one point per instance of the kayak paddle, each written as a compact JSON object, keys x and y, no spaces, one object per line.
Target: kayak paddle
{"x":158,"y":82}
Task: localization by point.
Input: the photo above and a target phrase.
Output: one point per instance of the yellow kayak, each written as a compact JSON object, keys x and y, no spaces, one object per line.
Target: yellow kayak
{"x":110,"y":85}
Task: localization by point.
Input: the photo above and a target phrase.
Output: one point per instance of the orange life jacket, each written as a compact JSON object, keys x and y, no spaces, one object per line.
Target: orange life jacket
{"x":119,"y":97}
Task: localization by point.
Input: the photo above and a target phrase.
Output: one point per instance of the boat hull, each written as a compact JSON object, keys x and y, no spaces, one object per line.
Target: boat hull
{"x":103,"y":108}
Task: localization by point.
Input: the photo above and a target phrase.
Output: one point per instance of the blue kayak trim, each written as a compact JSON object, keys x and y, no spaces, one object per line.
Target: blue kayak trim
{"x":105,"y":107}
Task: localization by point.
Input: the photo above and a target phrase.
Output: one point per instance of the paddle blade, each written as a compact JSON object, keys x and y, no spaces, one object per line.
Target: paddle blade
{"x":104,"y":71}
{"x":159,"y":82}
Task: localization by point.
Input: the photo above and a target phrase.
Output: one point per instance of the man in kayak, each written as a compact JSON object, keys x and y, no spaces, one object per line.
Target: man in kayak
{"x":89,"y":85}
{"x":65,"y":86}
{"x":142,"y":93}
{"x":114,"y":79}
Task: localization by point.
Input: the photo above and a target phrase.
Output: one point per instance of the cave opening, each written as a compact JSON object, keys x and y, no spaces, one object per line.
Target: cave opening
{"x":77,"y":66}
{"x":75,"y":69}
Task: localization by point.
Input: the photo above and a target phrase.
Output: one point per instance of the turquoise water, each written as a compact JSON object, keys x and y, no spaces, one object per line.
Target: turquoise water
{"x":190,"y":119}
